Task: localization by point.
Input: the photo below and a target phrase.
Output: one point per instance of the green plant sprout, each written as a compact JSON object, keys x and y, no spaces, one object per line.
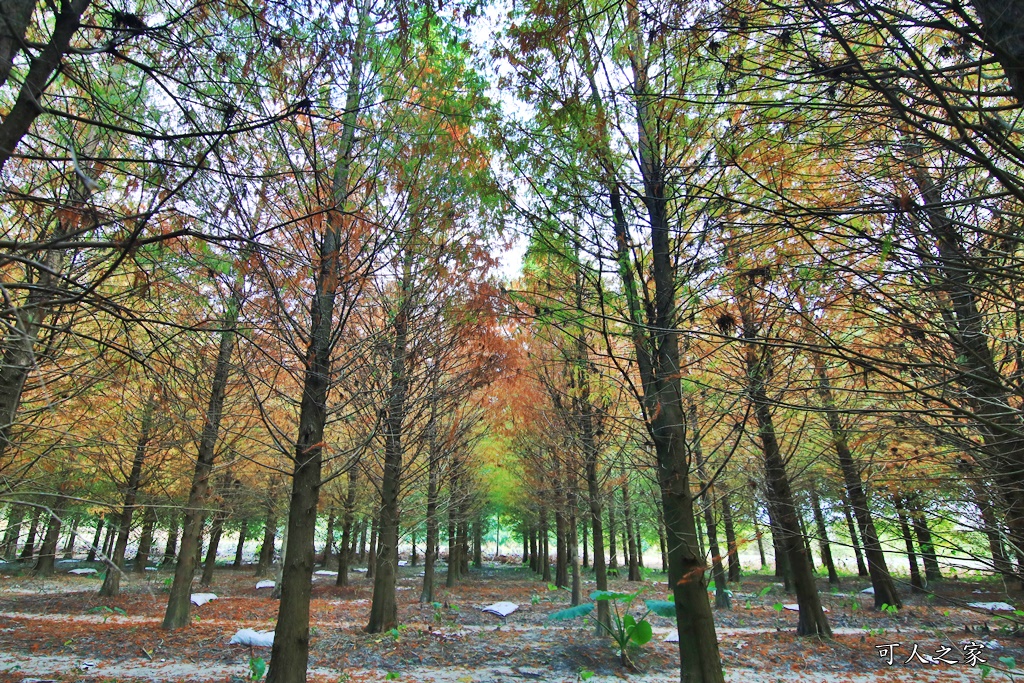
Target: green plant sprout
{"x":625,"y":630}
{"x":257,"y":667}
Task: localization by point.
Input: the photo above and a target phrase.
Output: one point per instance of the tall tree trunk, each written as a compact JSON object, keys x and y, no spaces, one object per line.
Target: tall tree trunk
{"x":758,"y":535}
{"x":48,"y":550}
{"x":862,"y":569}
{"x":630,"y":543}
{"x":823,"y":544}
{"x":108,"y":540}
{"x":812,"y":621}
{"x":69,"y":544}
{"x":290,"y":652}
{"x":561,"y":551}
{"x":243,"y":532}
{"x":924,"y":539}
{"x":179,"y":600}
{"x":613,"y":560}
{"x":216,"y":531}
{"x":881,"y":581}
{"x":95,"y":546}
{"x":384,"y":605}
{"x":29,"y":549}
{"x":722,"y":600}
{"x":452,"y":570}
{"x":145,"y":541}
{"x":371,"y":554}
{"x":661,"y":541}
{"x":171,"y":547}
{"x":329,"y":541}
{"x":532,"y":548}
{"x":363,"y":524}
{"x":115,"y":564}
{"x":478,"y":553}
{"x":347,"y":548}
{"x":916,"y":584}
{"x":583,"y":530}
{"x":545,"y":551}
{"x":266,"y":556}
{"x":657,"y":351}
{"x":15,"y":517}
{"x":573,"y":550}
{"x":730,"y":539}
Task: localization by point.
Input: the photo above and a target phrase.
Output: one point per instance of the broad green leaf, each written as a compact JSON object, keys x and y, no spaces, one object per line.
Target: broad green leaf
{"x":663,"y":608}
{"x":641,"y":633}
{"x":611,"y":595}
{"x":571,"y":613}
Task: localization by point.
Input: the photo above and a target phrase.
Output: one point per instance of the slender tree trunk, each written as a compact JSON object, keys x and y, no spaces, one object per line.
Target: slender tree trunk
{"x":12,"y":534}
{"x":722,"y":600}
{"x":613,"y":560}
{"x":115,"y":564}
{"x":782,"y":566}
{"x":384,"y":605}
{"x":758,"y":534}
{"x":216,"y":531}
{"x":69,"y":544}
{"x":545,"y":551}
{"x":464,"y":543}
{"x":583,"y":529}
{"x":243,"y":532}
{"x":823,"y":544}
{"x":329,"y":543}
{"x":452,"y":570}
{"x":171,"y":548}
{"x":108,"y":540}
{"x":145,"y":541}
{"x":371,"y":555}
{"x":1000,"y":559}
{"x":916,"y":584}
{"x":730,"y":539}
{"x":48,"y":550}
{"x":862,"y":569}
{"x":363,"y":525}
{"x":924,"y":539}
{"x":266,"y":556}
{"x":573,"y":551}
{"x":812,"y":621}
{"x":478,"y":553}
{"x":29,"y":549}
{"x":347,"y":548}
{"x":179,"y":601}
{"x":661,"y":540}
{"x":881,"y":581}
{"x":534,"y":555}
{"x":290,"y":652}
{"x":561,"y":552}
{"x":94,"y":547}
{"x":630,"y":543}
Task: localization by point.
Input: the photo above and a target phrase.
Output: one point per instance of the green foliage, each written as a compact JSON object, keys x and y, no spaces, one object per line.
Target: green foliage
{"x":585,"y":675}
{"x":257,"y":667}
{"x":891,"y":610}
{"x":626,"y":630}
{"x":571,"y":613}
{"x":106,"y":611}
{"x":392,"y":676}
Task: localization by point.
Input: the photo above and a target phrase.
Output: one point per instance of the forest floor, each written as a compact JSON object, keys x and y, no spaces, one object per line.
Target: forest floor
{"x":59,"y":629}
